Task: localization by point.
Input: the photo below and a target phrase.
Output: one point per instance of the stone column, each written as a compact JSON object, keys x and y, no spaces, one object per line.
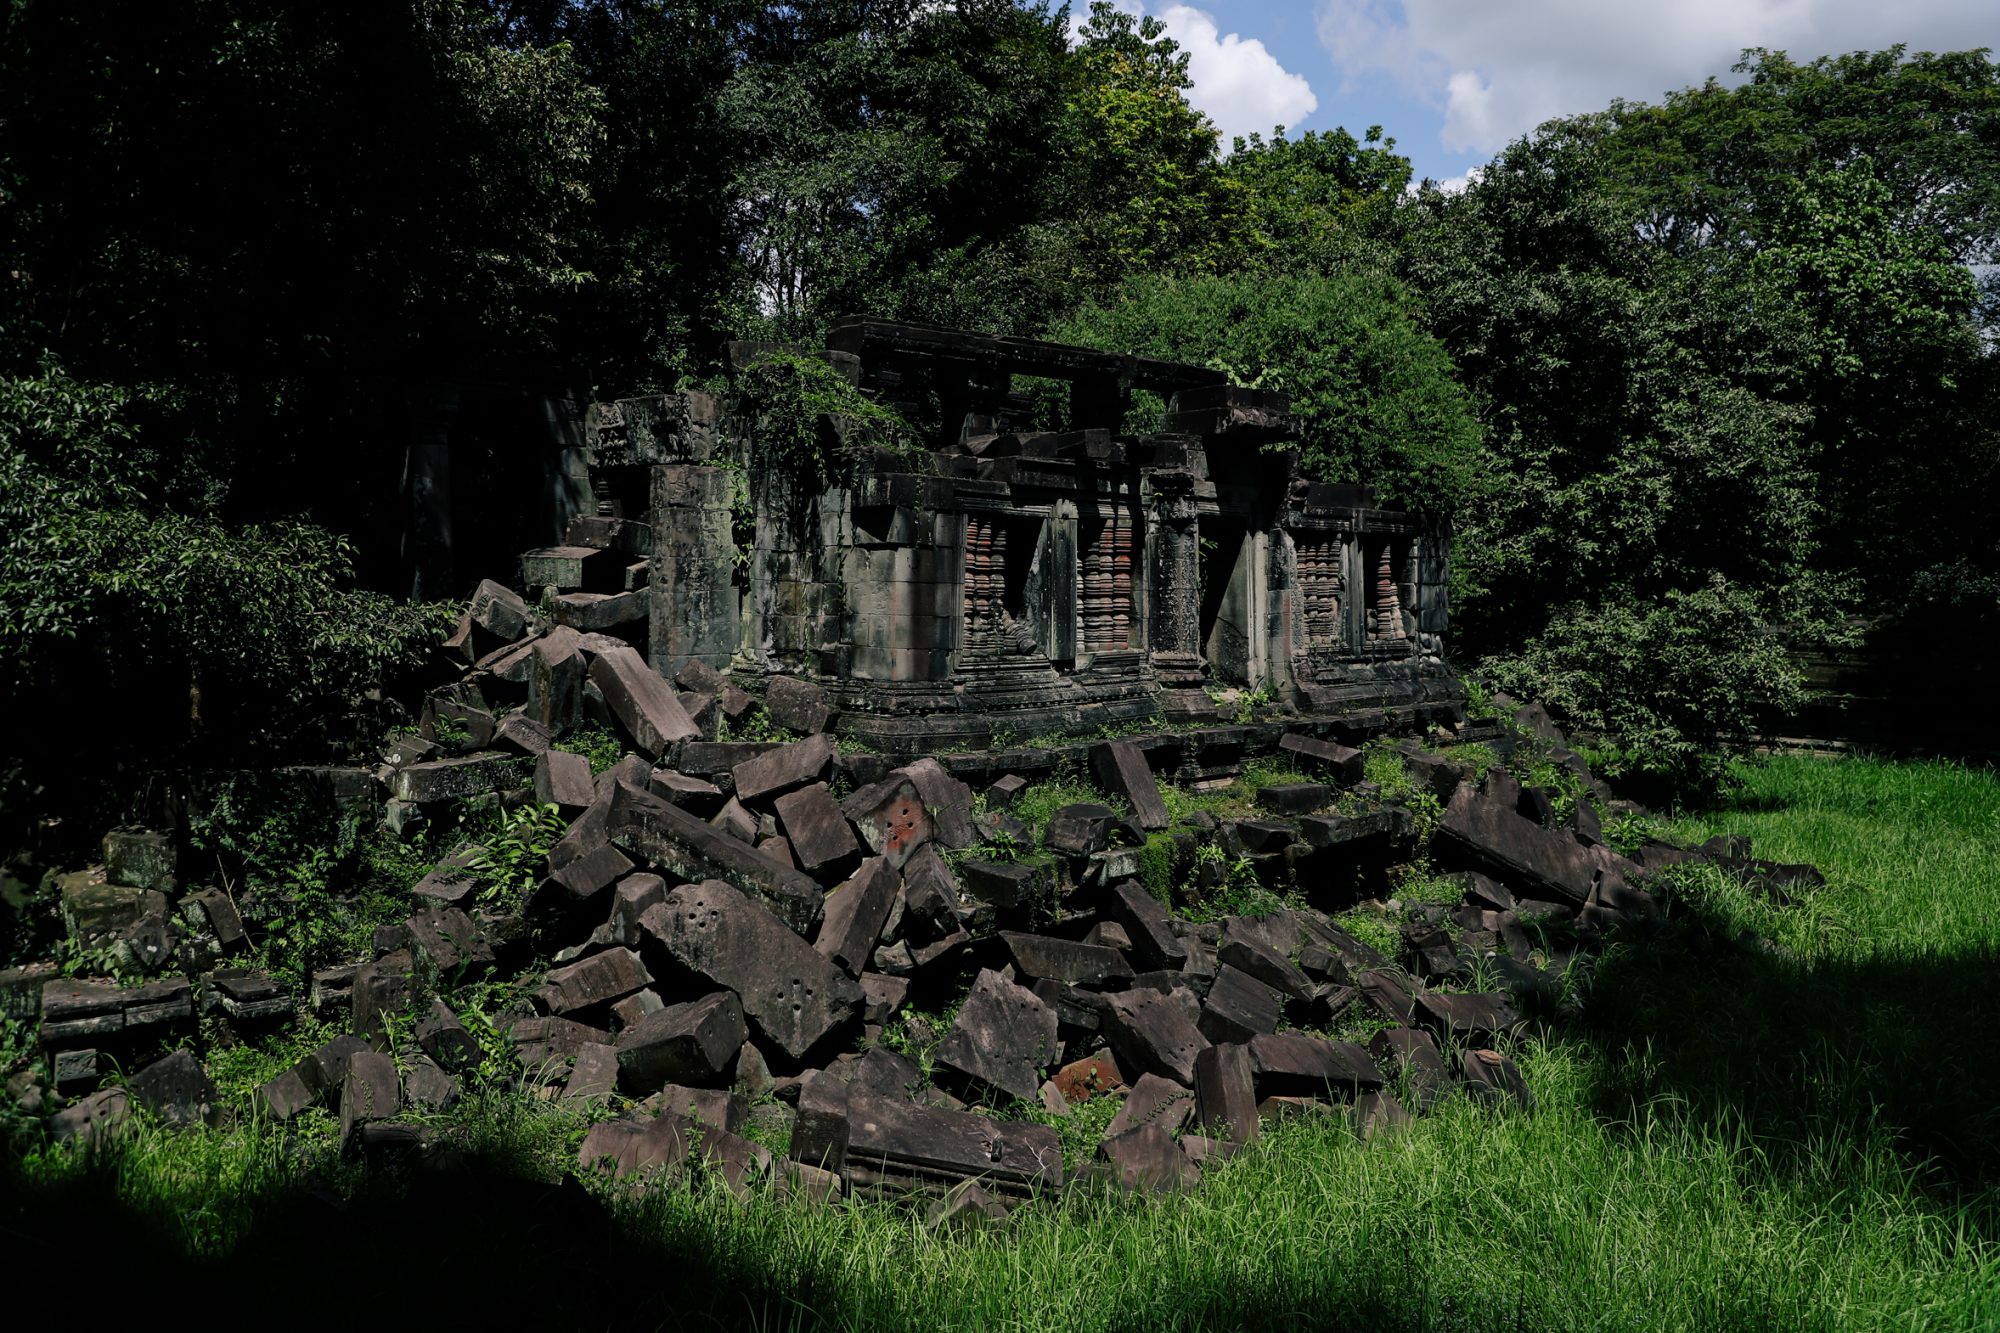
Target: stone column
{"x":692,"y":600}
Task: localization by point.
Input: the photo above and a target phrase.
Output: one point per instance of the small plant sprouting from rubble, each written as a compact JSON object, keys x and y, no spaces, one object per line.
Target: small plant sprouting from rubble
{"x":511,"y":859}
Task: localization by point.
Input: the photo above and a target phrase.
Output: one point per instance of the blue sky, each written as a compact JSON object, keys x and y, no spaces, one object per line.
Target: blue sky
{"x":1454,"y":80}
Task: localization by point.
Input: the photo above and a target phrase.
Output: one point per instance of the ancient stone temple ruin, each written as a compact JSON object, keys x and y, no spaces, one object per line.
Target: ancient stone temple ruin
{"x":1006,"y":580}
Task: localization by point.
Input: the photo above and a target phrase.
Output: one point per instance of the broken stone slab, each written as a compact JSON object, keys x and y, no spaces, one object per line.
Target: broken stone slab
{"x":95,"y":912}
{"x":1153,"y":1033}
{"x":1003,"y":1038}
{"x":545,"y":1043}
{"x":642,"y":700}
{"x":523,"y":735}
{"x":1252,"y":953}
{"x":1145,"y":919}
{"x":574,"y":887}
{"x":718,"y":1108}
{"x":1493,"y":1079}
{"x":1121,"y":770}
{"x":564,"y":567}
{"x":283,"y":1097}
{"x":211,"y":910}
{"x":948,"y":801}
{"x":383,"y":989}
{"x":692,"y":1043}
{"x":931,"y":899}
{"x":428,"y":1087}
{"x":1153,"y":1101}
{"x":246,"y":995}
{"x":1342,"y":764}
{"x":675,"y":841}
{"x":1046,"y":956}
{"x":449,"y":939}
{"x":500,"y":611}
{"x":891,"y":818}
{"x":1532,"y":859}
{"x":1004,"y":884}
{"x":1238,"y":1007}
{"x":797,"y":705}
{"x":1293,"y":798}
{"x":791,"y":995}
{"x":563,"y":780}
{"x":1412,"y":1053}
{"x":333,"y":987}
{"x":814,"y":826}
{"x":856,"y":913}
{"x":95,"y":1118}
{"x":966,"y":1207}
{"x":596,"y":980}
{"x":1479,"y":1017}
{"x":629,"y":1011}
{"x":1148,"y":1160}
{"x":556,"y":674}
{"x":629,"y":901}
{"x":1225,"y":1099}
{"x":594,"y":613}
{"x":1389,"y":995}
{"x":458,"y":778}
{"x":323,"y":1068}
{"x":636,"y":1145}
{"x":1296,"y":1064}
{"x":882,"y":996}
{"x":1079,"y":829}
{"x":895,"y":1146}
{"x":736,"y":821}
{"x":446,"y":1041}
{"x":141,"y":858}
{"x":820,"y":1137}
{"x":1003,"y":791}
{"x":694,"y":795}
{"x":783,"y":768}
{"x":371,"y":1091}
{"x":179,"y":1091}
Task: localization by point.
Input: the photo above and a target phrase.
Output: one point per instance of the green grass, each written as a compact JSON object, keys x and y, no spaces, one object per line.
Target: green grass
{"x":1729,"y":1138}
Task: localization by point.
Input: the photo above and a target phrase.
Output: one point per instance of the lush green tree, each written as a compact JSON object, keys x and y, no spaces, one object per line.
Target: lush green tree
{"x":1310,"y":196}
{"x":1374,"y":393}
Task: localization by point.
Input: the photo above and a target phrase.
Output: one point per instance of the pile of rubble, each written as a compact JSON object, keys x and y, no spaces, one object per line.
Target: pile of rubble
{"x":729,"y":935}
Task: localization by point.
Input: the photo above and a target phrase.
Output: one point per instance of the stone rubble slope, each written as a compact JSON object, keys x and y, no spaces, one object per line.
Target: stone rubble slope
{"x":729,"y":938}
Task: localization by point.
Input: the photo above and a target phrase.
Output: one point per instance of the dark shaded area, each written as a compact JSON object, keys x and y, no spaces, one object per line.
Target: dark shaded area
{"x":1738,"y":1030}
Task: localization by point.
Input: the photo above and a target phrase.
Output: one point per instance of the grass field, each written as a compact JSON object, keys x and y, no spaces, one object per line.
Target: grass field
{"x":1735,"y":1136}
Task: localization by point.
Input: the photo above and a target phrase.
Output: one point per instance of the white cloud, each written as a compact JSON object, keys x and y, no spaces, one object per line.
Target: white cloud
{"x":1238,"y":83}
{"x":1498,"y":68}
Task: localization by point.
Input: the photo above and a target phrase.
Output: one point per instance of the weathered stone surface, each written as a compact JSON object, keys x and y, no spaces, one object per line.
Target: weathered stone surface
{"x":1152,"y":1033}
{"x":783,"y":768}
{"x":895,"y":1145}
{"x":629,"y":901}
{"x":966,"y":1207}
{"x":717,"y":1108}
{"x":675,"y":841}
{"x":1252,"y":953}
{"x":94,"y":911}
{"x":428,"y":1087}
{"x":1148,"y":1160}
{"x":856,"y":913}
{"x":1293,"y":798}
{"x":1153,"y":1101}
{"x":1073,"y":964}
{"x":1411,"y":1053}
{"x":1122,"y":770}
{"x":1002,"y":792}
{"x":543,"y":1043}
{"x":1093,"y":1076}
{"x":1225,"y":1098}
{"x":819,"y":834}
{"x":692,"y":1043}
{"x":456,"y":779}
{"x":791,"y":995}
{"x":882,"y":996}
{"x":597,"y":612}
{"x":446,"y":1041}
{"x":642,"y":700}
{"x":383,"y":989}
{"x":635,"y":1145}
{"x":178,"y":1090}
{"x":283,"y":1097}
{"x":21,"y":991}
{"x":218,"y":916}
{"x":1294,"y":1064}
{"x":1534,"y":860}
{"x":1002,"y":1040}
{"x":563,"y":779}
{"x":1003,"y":883}
{"x":1388,"y":994}
{"x":735,"y":820}
{"x":799,"y":705}
{"x":891,"y":818}
{"x":1238,"y":1007}
{"x":699,"y":798}
{"x":577,"y":882}
{"x":142,"y":858}
{"x":1479,"y":1017}
{"x":595,"y":980}
{"x":1492,"y":1078}
{"x":1079,"y":829}
{"x":95,"y":1118}
{"x":555,"y":679}
{"x":930,"y":895}
{"x":1145,"y":919}
{"x":820,"y":1137}
{"x":370,"y":1091}
{"x":1339,"y":762}
{"x":948,"y":800}
{"x":449,"y":938}
{"x":500,"y":611}
{"x":324,"y":1068}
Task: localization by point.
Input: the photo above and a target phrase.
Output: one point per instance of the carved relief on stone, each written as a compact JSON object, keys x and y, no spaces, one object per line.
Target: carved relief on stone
{"x":1104,"y":591}
{"x":1321,"y":586}
{"x":1385,"y":602}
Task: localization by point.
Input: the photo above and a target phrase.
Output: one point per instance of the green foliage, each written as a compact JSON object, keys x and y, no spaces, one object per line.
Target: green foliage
{"x":1156,"y":866}
{"x":1374,"y":394}
{"x":797,"y":399}
{"x":595,"y":744}
{"x":511,"y":859}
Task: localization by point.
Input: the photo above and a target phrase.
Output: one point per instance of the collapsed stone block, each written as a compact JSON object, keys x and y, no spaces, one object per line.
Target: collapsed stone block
{"x":1002,"y":1039}
{"x":676,"y":842}
{"x":1122,"y":770}
{"x":690,"y":1043}
{"x":814,"y":826}
{"x":596,"y":980}
{"x":642,"y":700}
{"x":1150,"y":1032}
{"x":797,"y":705}
{"x":791,"y":995}
{"x":856,"y":913}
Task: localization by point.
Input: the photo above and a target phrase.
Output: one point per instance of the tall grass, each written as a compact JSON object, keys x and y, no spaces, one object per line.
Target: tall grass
{"x":1733,"y":1138}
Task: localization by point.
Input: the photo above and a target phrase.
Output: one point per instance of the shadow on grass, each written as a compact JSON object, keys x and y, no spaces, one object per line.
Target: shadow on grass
{"x":1816,"y":1062}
